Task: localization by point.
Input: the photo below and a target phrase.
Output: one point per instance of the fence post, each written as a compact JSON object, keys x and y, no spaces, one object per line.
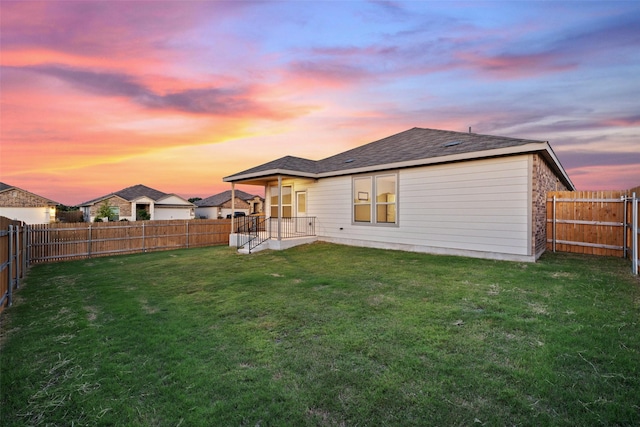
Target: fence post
{"x":18,"y":262}
{"x":554,"y":224}
{"x":10,"y":266}
{"x":143,"y":248}
{"x":25,"y":247}
{"x":187,"y":223}
{"x":634,"y":237}
{"x":625,"y":226}
{"x":89,"y":243}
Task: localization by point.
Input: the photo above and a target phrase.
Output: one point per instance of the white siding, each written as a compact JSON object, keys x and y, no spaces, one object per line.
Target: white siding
{"x":172,"y":213}
{"x":173,"y":200}
{"x":475,"y":208}
{"x":208,"y":212}
{"x":39,"y":215}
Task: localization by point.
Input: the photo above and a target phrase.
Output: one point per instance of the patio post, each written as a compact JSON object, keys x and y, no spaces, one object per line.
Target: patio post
{"x":279,"y":207}
{"x":233,"y":206}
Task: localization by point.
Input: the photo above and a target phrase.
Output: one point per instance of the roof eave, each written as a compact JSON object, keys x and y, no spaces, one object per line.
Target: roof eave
{"x":533,"y":147}
{"x":268,"y":173}
{"x":473,"y":155}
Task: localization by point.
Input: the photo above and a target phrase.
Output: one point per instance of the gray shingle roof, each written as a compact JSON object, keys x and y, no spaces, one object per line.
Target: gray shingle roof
{"x":4,"y":187}
{"x":131,"y":193}
{"x":410,"y":145}
{"x":140,"y":190}
{"x":416,"y":144}
{"x":221,"y":198}
{"x":290,"y":163}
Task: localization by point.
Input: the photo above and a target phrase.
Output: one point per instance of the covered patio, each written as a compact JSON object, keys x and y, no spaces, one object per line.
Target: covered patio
{"x":284,"y":223}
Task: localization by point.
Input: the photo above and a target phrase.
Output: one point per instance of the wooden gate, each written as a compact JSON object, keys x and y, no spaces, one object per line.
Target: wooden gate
{"x":594,"y":222}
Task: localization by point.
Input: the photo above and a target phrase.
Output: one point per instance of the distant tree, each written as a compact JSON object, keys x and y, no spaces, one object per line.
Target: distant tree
{"x":194,"y":199}
{"x":65,"y":208}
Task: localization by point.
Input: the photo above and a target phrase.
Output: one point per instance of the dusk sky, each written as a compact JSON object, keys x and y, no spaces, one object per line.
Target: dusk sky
{"x":98,"y":96}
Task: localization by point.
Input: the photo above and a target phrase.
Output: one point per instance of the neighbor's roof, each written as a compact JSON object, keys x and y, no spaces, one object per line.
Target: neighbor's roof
{"x":131,"y":193}
{"x":6,"y":187}
{"x":413,"y":147}
{"x":222,"y":198}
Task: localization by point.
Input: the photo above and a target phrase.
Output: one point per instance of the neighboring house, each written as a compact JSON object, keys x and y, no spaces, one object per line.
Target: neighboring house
{"x":22,"y":205}
{"x":219,"y":205}
{"x":140,"y":202}
{"x":422,"y":190}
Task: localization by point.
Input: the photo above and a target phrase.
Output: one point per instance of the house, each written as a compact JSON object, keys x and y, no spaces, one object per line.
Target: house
{"x":140,"y":202}
{"x":219,"y":205}
{"x":22,"y":205}
{"x":423,"y":190}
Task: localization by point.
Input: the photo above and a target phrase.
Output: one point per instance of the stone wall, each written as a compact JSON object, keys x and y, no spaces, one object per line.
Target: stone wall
{"x":125,"y":206}
{"x":16,"y":198}
{"x":240,"y":204}
{"x":544,"y":180}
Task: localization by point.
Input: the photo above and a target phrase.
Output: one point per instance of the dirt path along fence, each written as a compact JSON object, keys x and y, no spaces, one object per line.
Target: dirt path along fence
{"x":595,"y":222}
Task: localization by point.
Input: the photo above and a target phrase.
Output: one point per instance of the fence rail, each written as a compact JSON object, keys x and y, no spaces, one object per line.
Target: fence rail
{"x":595,"y":222}
{"x":22,"y":245}
{"x":60,"y":242}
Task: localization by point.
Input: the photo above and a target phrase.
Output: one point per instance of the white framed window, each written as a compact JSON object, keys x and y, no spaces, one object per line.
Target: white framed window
{"x":362,"y":189}
{"x":115,"y":213}
{"x":287,"y":201}
{"x":375,"y":199}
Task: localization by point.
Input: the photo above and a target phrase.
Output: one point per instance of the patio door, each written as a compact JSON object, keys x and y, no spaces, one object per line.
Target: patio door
{"x":301,"y":210}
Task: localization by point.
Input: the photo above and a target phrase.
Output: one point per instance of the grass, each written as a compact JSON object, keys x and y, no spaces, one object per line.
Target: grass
{"x":322,"y":335}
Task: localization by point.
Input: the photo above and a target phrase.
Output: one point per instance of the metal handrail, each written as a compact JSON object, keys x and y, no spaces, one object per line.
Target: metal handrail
{"x":253,"y":231}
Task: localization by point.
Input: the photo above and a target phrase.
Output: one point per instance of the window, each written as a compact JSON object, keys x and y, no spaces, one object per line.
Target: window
{"x":386,"y":199}
{"x":287,"y":201}
{"x":301,"y":203}
{"x":381,"y":209}
{"x":115,"y":213}
{"x":362,"y":199}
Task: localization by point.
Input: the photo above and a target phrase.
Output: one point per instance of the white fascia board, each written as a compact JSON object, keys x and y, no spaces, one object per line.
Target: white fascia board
{"x":144,"y":199}
{"x":558,"y":165}
{"x":270,"y":172}
{"x":103,"y":198}
{"x":167,"y":196}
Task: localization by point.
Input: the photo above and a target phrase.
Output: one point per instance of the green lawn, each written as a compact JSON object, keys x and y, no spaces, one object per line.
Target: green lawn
{"x":323,"y":335}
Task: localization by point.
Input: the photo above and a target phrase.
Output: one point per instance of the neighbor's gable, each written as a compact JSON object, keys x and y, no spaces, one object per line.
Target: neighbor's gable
{"x":114,"y":201}
{"x":18,"y":198}
{"x":172,"y":199}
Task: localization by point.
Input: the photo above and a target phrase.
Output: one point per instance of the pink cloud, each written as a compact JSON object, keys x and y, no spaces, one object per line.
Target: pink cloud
{"x":511,"y":66}
{"x":605,"y":177}
{"x":628,"y":121}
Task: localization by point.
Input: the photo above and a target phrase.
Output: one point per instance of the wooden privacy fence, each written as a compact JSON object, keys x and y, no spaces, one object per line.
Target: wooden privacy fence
{"x":13,"y":259}
{"x":22,"y":245}
{"x":58,"y":242}
{"x":594,"y":222}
